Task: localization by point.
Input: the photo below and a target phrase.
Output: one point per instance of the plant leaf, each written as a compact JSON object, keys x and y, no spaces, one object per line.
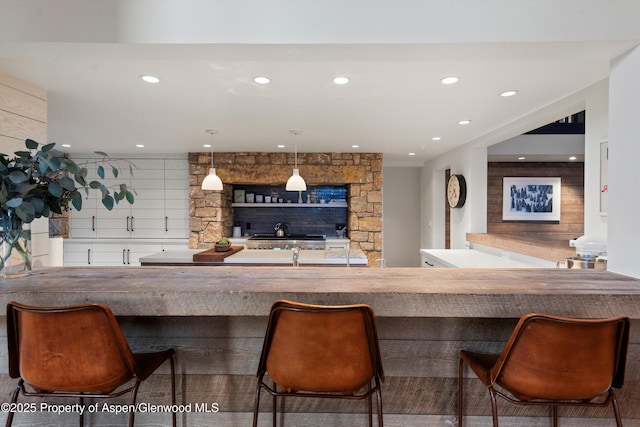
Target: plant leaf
{"x":55,"y":189}
{"x":30,"y":144}
{"x":15,"y":202}
{"x":38,"y":205}
{"x":48,"y":147}
{"x":67,"y":183}
{"x":115,"y":171}
{"x":76,"y":200}
{"x":43,"y":165}
{"x":108,"y":202}
{"x":54,"y":163}
{"x":101,"y":153}
{"x":101,"y":172}
{"x":95,"y":184}
{"x":17,"y":177}
{"x":130,"y":198}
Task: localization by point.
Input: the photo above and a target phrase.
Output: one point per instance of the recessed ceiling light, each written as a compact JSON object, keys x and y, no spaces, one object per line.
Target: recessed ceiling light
{"x":150,"y":79}
{"x":206,"y":145}
{"x":341,"y":80}
{"x":464,"y":122}
{"x":355,"y":146}
{"x":436,"y":138}
{"x":281,"y":146}
{"x":508,"y":93}
{"x":449,"y":80}
{"x":572,"y":158}
{"x":521,"y":158}
{"x":412,"y":154}
{"x":66,"y":145}
{"x":262,"y":80}
{"x":140,"y":145}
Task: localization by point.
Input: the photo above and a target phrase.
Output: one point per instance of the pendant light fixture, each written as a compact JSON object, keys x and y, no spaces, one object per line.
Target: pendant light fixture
{"x":212,"y":181}
{"x":295,"y":182}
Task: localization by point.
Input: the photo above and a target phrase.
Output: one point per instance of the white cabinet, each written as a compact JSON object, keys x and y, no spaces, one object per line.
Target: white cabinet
{"x":158,"y":218}
{"x":160,"y":209}
{"x":116,"y":252}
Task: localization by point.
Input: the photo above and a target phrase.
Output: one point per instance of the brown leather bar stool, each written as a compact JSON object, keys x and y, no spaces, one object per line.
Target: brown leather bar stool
{"x":554,"y":361}
{"x":321,"y":351}
{"x":77,"y":351}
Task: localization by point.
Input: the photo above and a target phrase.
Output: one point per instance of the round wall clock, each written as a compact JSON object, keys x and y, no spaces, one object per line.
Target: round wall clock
{"x":456,"y":191}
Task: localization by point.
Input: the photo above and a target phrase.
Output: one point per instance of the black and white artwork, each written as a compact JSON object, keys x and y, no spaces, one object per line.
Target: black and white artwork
{"x":531,"y":199}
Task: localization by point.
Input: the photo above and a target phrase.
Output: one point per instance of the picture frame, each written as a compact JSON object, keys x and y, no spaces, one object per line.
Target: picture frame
{"x":238,"y":196}
{"x":531,"y":199}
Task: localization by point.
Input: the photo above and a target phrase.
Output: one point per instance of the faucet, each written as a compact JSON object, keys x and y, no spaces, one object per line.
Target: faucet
{"x":296,"y":256}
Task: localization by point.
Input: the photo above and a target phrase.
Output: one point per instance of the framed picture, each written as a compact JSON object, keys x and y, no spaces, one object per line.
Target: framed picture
{"x":530,"y":199}
{"x":238,"y":196}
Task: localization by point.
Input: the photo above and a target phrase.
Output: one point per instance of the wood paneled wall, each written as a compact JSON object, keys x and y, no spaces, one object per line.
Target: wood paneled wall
{"x":571,"y":223}
{"x":23,"y":113}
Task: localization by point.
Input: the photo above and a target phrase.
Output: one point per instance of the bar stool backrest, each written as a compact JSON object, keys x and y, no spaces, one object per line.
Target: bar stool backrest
{"x":321,"y":348}
{"x":556,"y":358}
{"x":69,"y":349}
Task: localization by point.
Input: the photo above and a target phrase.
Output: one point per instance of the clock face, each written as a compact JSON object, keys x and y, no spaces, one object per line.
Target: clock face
{"x":456,"y":191}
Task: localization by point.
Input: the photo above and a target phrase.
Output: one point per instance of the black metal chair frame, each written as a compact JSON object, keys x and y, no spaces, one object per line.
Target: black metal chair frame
{"x":374,"y":352}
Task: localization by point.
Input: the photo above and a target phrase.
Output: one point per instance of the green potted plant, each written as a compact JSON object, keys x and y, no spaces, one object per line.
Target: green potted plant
{"x":223,"y":244}
{"x":38,"y":182}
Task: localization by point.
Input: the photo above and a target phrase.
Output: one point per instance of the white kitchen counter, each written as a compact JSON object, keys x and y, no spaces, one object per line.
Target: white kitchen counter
{"x":262,"y":257}
{"x":468,"y":258}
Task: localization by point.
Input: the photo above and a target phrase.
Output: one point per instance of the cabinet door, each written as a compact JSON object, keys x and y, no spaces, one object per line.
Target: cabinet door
{"x":147,"y":212}
{"x":82,"y":224}
{"x":136,"y":250}
{"x":110,"y":254}
{"x":176,"y":199}
{"x":77,"y":253}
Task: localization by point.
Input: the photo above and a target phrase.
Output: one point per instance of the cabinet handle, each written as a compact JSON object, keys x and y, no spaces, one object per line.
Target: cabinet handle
{"x":166,"y":223}
{"x":89,"y":256}
{"x":428,"y":263}
{"x":123,"y":253}
{"x":128,"y":224}
{"x":132,"y":227}
{"x":128,"y":256}
{"x":93,"y":223}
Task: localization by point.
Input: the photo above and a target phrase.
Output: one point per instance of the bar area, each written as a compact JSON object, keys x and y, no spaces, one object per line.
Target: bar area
{"x":216,"y":319}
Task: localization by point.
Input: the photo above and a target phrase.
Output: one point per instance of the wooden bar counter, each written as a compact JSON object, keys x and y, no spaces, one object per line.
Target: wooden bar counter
{"x":215,"y":318}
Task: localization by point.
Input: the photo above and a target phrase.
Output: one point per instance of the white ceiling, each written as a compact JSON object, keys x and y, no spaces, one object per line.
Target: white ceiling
{"x":394,"y":102}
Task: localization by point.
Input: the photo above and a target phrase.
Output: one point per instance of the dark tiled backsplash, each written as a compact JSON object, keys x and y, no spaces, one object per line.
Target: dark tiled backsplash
{"x":299,"y":220}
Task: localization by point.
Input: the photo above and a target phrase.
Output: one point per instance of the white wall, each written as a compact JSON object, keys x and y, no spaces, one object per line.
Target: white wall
{"x":596,"y":131}
{"x":624,"y":168}
{"x":472,"y":217}
{"x":401,"y":217}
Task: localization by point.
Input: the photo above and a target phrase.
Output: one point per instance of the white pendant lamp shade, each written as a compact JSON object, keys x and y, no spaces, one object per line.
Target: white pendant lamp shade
{"x":212,"y":181}
{"x":295,"y":182}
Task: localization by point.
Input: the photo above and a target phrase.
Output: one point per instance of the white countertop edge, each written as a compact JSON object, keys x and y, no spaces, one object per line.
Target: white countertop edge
{"x":470,"y":258}
{"x":258,"y":256}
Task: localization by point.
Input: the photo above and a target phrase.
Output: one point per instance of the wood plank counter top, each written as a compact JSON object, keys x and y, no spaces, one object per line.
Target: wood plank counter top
{"x":393,"y":292}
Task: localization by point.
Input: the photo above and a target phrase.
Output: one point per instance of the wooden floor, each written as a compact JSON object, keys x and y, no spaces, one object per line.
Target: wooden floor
{"x":217,"y":354}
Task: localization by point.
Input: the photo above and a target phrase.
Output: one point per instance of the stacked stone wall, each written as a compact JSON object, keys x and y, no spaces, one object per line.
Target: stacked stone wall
{"x":211,"y":212}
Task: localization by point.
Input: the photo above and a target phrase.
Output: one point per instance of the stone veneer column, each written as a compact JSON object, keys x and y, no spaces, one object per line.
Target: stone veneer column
{"x":212,"y":214}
